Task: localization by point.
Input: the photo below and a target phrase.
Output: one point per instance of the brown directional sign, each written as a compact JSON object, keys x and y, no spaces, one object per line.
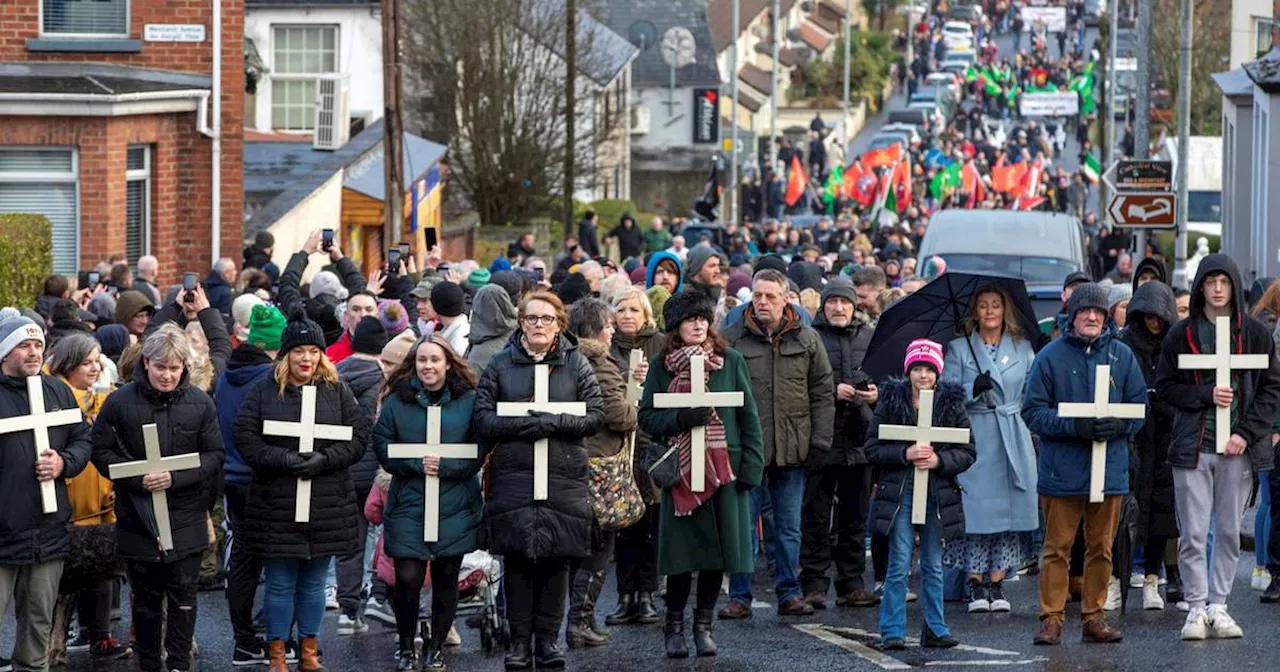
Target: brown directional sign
{"x":1144,"y":176}
{"x":1143,"y":210}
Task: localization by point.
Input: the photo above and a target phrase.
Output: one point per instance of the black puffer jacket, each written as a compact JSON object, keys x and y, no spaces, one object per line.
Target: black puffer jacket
{"x":28,"y":536}
{"x":186,"y":422}
{"x":364,"y":377}
{"x":516,"y":523}
{"x":321,"y":309}
{"x":269,"y":529}
{"x":897,"y":474}
{"x":846,"y":346}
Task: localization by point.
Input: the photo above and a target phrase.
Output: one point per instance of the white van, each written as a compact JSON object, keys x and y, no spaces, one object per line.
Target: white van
{"x":1204,"y":181}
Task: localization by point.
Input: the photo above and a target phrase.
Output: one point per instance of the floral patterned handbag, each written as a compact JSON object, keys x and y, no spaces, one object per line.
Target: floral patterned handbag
{"x":614,"y":494}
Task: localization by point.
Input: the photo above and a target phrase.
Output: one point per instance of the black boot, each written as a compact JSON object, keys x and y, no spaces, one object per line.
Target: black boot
{"x":673,"y":630}
{"x":626,"y":612}
{"x":1173,"y":588}
{"x":521,"y":655}
{"x":589,"y":607}
{"x":703,"y":627}
{"x":579,"y":634}
{"x":645,"y":611}
{"x":547,"y":654}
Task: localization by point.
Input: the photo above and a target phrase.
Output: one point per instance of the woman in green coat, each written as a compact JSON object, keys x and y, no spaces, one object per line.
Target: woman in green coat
{"x":432,"y":375}
{"x":707,"y":532}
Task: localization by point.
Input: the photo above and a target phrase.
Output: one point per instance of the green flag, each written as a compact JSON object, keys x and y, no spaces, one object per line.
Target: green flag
{"x":834,"y":182}
{"x":946,"y":180}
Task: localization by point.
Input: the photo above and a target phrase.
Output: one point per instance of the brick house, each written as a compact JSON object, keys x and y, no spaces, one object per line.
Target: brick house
{"x":108,"y":127}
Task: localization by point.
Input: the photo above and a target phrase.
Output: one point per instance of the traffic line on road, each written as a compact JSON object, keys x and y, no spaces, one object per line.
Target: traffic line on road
{"x":852,"y":646}
{"x":841,"y":637}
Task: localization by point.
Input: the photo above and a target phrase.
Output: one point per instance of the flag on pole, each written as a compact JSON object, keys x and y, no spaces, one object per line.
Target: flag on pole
{"x":834,"y":188}
{"x":971,"y":184}
{"x":1091,"y":168}
{"x":796,"y":182}
{"x":945,"y":181}
{"x":1027,"y":203}
{"x":1031,"y":180}
{"x":902,"y":185}
{"x":864,"y":184}
{"x":884,"y":156}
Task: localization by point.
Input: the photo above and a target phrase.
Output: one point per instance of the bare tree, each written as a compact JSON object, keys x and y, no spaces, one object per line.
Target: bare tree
{"x":1209,"y":50}
{"x":488,"y":77}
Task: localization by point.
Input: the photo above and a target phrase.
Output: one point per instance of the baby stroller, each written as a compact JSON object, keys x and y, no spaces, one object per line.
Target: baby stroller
{"x":478,"y":582}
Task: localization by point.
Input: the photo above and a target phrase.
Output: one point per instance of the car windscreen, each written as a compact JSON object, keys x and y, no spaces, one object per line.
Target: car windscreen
{"x":1204,"y":206}
{"x":1030,"y":269}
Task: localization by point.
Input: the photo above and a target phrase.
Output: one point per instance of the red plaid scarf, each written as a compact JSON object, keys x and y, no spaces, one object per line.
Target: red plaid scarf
{"x":718,"y":471}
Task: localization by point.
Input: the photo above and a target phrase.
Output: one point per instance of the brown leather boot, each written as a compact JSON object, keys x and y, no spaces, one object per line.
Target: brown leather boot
{"x":1097,"y":630}
{"x":1050,"y":633}
{"x":309,"y":660}
{"x":276,"y":657}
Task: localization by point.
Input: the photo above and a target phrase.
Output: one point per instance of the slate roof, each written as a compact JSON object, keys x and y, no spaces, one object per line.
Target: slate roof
{"x":813,"y":37}
{"x":1234,"y":82}
{"x":825,"y":22}
{"x":604,"y":50}
{"x":720,"y":17}
{"x":749,"y":100}
{"x":93,"y":79}
{"x":756,"y":78}
{"x":649,"y":70}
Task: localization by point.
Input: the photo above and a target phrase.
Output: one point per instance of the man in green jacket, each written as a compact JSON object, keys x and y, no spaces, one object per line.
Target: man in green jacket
{"x":791,"y":377}
{"x":657,"y":238}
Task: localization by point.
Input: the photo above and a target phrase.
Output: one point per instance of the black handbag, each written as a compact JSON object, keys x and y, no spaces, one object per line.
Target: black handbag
{"x":662,"y":463}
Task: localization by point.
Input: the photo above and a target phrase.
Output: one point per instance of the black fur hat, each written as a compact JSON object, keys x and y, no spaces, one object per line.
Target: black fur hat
{"x":686,"y":305}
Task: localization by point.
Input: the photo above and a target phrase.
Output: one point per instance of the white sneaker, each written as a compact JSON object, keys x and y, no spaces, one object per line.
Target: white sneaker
{"x":1113,"y":595}
{"x":453,"y":638}
{"x":1261,"y":578}
{"x":331,"y":597}
{"x":1136,"y":580}
{"x":1221,"y":625}
{"x":351,"y":626}
{"x":1183,"y":606}
{"x":1151,"y":593}
{"x":1196,"y":626}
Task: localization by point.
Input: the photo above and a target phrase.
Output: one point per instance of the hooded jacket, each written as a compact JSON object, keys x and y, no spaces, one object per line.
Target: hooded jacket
{"x":630,"y":240}
{"x":247,"y":366}
{"x":493,"y":321}
{"x":1191,"y":391}
{"x":654,"y":259}
{"x":846,"y":347}
{"x":364,"y":377}
{"x":1154,"y":264}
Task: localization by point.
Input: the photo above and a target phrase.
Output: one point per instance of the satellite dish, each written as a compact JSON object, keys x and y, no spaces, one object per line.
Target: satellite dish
{"x":678,"y":47}
{"x":643,"y":35}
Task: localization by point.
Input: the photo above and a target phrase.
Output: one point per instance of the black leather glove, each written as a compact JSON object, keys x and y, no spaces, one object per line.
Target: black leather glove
{"x":547,"y":424}
{"x":1084,"y":429}
{"x":312,"y":466}
{"x":688,"y":418}
{"x":293,"y":462}
{"x":983,"y":383}
{"x":1108,"y":429}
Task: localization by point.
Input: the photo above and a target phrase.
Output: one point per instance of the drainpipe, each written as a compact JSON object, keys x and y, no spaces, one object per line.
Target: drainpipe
{"x":215,"y":220}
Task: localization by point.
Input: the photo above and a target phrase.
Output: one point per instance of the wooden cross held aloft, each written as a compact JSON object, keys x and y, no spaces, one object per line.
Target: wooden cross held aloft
{"x":698,"y":397}
{"x":1100,"y":407}
{"x":155,"y":464}
{"x":1223,"y":363}
{"x":541,"y":403}
{"x":924,"y":433}
{"x":307,"y":431}
{"x":634,"y":391}
{"x":431,"y":484}
{"x":39,"y":422}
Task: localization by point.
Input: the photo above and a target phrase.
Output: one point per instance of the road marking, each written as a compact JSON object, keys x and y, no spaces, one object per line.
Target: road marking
{"x":834,"y":635}
{"x":857,"y":648}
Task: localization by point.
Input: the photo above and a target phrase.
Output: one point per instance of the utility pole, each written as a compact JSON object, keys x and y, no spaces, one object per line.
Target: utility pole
{"x":570,"y":103}
{"x":773,"y":98}
{"x":1142,"y":110}
{"x":844,"y":119}
{"x":393,"y":131}
{"x":734,"y":188}
{"x":1184,"y":141}
{"x":911,"y":40}
{"x":1106,"y":142}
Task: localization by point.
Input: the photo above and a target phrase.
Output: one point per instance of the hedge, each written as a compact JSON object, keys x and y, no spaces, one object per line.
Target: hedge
{"x":26,"y":255}
{"x":610,"y":212}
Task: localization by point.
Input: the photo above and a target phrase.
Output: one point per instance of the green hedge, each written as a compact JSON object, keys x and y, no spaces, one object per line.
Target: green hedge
{"x":26,"y":255}
{"x":609,"y":210}
{"x":1166,"y":240}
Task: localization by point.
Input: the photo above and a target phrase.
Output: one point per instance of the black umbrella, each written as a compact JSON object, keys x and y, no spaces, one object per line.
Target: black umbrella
{"x":937,"y":312}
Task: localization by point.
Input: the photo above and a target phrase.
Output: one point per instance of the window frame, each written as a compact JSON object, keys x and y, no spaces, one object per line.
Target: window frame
{"x":142,"y":175}
{"x":71,"y":177}
{"x":123,"y":35}
{"x":275,"y":75}
{"x":1258,"y":32}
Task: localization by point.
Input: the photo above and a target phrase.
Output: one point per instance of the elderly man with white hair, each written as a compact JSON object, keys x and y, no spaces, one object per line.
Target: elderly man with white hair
{"x":219,"y":283}
{"x":144,"y":280}
{"x":677,"y":248}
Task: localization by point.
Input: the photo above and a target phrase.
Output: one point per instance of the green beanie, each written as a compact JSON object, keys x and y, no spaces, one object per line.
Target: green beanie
{"x":478,"y":278}
{"x":266,"y":325}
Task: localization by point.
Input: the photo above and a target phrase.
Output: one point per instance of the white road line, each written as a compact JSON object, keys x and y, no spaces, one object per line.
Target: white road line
{"x":858,"y":649}
{"x":832,"y":635}
{"x":974,"y":663}
{"x":912,"y":640}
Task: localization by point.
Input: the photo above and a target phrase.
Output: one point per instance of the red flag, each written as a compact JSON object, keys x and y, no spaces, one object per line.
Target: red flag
{"x":884,"y":156}
{"x":971,"y":184}
{"x":1026,"y":203}
{"x":849,"y":181}
{"x":1031,"y":180}
{"x":902,"y":184}
{"x":864,"y":186}
{"x":796,"y":182}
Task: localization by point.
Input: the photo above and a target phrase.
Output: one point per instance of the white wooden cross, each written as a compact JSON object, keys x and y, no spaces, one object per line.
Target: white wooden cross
{"x":155,"y":464}
{"x":307,"y":431}
{"x":431,"y":484}
{"x":1223,"y":363}
{"x":541,"y":403}
{"x":39,"y":422}
{"x":1100,"y":407}
{"x":698,"y":397}
{"x":634,"y":391}
{"x":923,"y":432}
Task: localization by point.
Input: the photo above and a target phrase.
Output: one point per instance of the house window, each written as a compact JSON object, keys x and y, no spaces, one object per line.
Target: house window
{"x":44,"y":181}
{"x":1262,"y":36}
{"x":300,"y":53}
{"x":137,"y":218}
{"x":88,"y":18}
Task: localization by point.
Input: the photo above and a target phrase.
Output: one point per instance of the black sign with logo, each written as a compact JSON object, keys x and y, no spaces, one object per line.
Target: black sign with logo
{"x":1144,"y":175}
{"x":706,"y":115}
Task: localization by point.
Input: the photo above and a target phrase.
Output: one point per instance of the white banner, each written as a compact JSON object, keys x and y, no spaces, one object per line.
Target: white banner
{"x":1049,"y":104}
{"x":1054,"y":19}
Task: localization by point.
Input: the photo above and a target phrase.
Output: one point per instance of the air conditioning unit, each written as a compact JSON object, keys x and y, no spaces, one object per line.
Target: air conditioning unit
{"x":333,"y":125}
{"x":639,"y":120}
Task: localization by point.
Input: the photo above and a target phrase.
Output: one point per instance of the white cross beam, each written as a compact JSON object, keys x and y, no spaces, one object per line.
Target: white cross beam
{"x":306,"y":431}
{"x":155,"y":464}
{"x":634,"y":389}
{"x":923,"y":432}
{"x":698,"y":397}
{"x":39,"y":422}
{"x":1222,"y":362}
{"x":1100,"y":407}
{"x":541,"y":403}
{"x":431,"y":484}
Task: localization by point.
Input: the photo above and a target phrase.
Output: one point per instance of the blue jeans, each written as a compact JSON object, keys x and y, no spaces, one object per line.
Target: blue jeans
{"x":784,"y":486}
{"x":293,"y":588}
{"x":1262,"y":520}
{"x":893,"y":608}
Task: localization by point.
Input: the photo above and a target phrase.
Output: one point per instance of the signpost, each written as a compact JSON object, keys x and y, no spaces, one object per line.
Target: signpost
{"x":1141,"y":194}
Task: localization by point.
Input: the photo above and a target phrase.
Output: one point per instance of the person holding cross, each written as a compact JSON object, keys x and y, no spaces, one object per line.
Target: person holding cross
{"x":1066,"y":372}
{"x":163,"y":580}
{"x":1229,"y":402}
{"x":285,"y":432}
{"x":432,"y":385}
{"x":538,"y":506}
{"x":36,"y":540}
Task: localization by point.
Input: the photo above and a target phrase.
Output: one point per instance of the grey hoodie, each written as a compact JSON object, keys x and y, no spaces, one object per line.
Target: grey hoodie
{"x":493,"y":319}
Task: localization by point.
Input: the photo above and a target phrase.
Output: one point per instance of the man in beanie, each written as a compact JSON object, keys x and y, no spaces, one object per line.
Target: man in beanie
{"x":1211,"y":489}
{"x":705,"y":271}
{"x":325,"y":297}
{"x":791,"y":377}
{"x":134,"y":311}
{"x":362,"y":373}
{"x":250,"y":362}
{"x":360,"y":305}
{"x":448,"y":302}
{"x":34,"y":544}
{"x":844,"y":476}
{"x":258,"y":255}
{"x":1063,"y":372}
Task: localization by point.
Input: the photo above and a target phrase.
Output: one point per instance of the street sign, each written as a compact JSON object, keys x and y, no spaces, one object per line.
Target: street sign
{"x":1126,"y":64}
{"x":1144,"y":175}
{"x":1143,"y":210}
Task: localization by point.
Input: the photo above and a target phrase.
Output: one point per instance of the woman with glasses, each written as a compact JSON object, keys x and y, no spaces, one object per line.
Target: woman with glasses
{"x":538,"y":537}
